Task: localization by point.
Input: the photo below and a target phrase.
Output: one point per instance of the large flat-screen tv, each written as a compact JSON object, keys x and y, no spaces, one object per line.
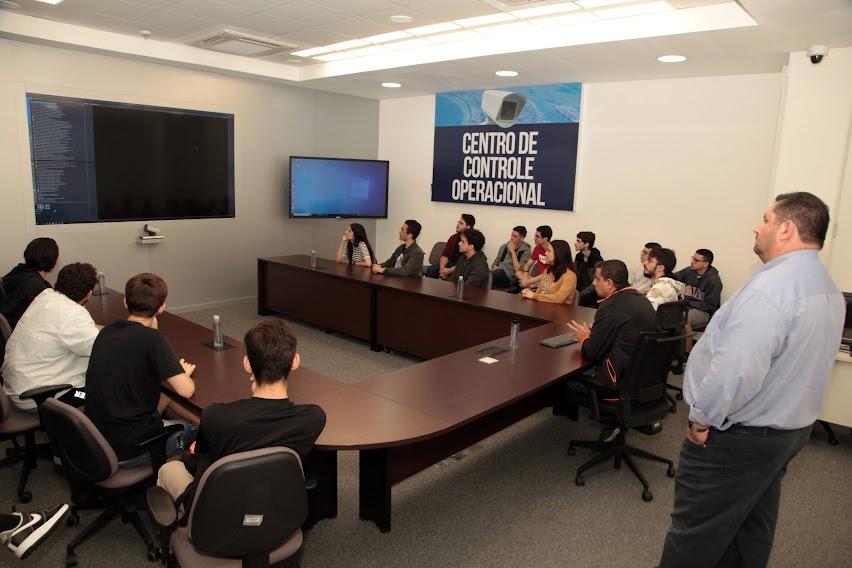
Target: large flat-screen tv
{"x":96,"y":161}
{"x":337,"y":187}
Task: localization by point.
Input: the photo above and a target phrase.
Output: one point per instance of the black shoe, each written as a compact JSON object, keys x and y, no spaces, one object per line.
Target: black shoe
{"x":34,"y":528}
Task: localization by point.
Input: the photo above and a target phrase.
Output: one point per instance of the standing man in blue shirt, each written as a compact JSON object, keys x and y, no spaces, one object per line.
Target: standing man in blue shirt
{"x":755,"y":384}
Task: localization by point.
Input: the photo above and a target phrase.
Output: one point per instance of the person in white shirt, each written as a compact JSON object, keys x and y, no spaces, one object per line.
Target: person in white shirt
{"x":639,"y":281}
{"x":53,"y":339}
{"x":659,"y":266}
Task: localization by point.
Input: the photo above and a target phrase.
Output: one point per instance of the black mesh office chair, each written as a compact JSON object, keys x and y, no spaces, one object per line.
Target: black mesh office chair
{"x":641,"y":403}
{"x":247,"y":512}
{"x":90,"y":467}
{"x":672,"y":317}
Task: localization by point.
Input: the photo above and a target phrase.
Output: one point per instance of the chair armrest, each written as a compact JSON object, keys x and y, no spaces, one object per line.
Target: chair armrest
{"x":40,"y":394}
{"x":160,"y":436}
{"x":162,"y":506}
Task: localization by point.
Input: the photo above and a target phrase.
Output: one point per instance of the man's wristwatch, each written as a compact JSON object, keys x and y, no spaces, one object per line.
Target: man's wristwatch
{"x":697,"y":429}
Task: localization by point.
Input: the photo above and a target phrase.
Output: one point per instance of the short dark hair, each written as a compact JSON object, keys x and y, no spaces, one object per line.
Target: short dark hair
{"x":807,"y":211}
{"x":76,"y":280}
{"x":707,"y":254}
{"x":270,"y":347}
{"x":469,"y":219}
{"x":41,"y":254}
{"x":414,"y":228}
{"x":666,"y":257}
{"x":652,"y":245}
{"x":545,"y":231}
{"x":475,"y":238}
{"x":614,"y":270}
{"x":587,"y":237}
{"x":144,"y":294}
{"x":521,"y":230}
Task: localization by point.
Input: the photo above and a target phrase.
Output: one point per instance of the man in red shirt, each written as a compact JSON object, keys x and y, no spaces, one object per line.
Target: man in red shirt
{"x":451,"y":254}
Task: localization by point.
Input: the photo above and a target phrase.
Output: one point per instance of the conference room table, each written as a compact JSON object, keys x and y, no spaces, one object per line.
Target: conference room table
{"x":404,"y":421}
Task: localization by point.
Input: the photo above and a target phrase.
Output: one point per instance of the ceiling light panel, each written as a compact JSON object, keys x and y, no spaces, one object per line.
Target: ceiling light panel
{"x":565,"y":20}
{"x":391,"y":36}
{"x":545,"y":10}
{"x":634,"y":10}
{"x":312,"y":51}
{"x":433,"y":29}
{"x":336,"y":56}
{"x":509,"y":30}
{"x":485,"y":20}
{"x":408,"y":44}
{"x":589,"y":4}
{"x":344,"y":45}
{"x":461,"y":35}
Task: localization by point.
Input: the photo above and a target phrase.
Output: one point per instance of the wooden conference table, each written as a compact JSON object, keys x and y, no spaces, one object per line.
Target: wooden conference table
{"x":404,"y":421}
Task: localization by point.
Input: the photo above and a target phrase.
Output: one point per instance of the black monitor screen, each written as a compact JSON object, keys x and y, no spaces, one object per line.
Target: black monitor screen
{"x":96,"y":161}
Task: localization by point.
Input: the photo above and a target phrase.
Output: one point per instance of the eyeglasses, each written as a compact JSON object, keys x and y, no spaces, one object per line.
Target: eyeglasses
{"x":698,"y":259}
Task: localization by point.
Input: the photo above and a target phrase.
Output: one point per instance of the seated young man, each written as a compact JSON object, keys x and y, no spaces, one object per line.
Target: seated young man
{"x":703,"y":289}
{"x":407,"y":259}
{"x":269,"y":418}
{"x":537,"y":259}
{"x":472,"y":264}
{"x":510,"y":259}
{"x":53,"y":340}
{"x":659,"y":264}
{"x":450,"y":254}
{"x":130,"y":359}
{"x":585,"y":262}
{"x":26,"y":281}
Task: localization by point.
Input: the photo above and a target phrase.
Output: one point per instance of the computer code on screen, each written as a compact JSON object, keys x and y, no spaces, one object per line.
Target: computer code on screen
{"x":97,"y":161}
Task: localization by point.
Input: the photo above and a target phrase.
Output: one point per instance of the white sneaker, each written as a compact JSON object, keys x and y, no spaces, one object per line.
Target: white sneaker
{"x":33,"y":530}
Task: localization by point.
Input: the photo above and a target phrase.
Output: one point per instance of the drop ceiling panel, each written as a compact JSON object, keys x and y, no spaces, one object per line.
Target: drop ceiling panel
{"x":419,"y":18}
{"x":158,"y":33}
{"x":359,"y":27}
{"x":314,"y":37}
{"x":453,"y":9}
{"x":305,"y":13}
{"x":81,"y":18}
{"x":355,"y":7}
{"x":114,"y":8}
{"x":264,"y":24}
{"x":207,"y":10}
{"x":176,"y":21}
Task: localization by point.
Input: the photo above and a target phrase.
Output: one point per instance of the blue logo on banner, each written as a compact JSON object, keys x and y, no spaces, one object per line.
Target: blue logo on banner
{"x":511,"y":148}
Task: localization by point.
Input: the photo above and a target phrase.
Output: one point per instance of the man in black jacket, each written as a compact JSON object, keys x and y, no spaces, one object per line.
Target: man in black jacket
{"x":472,"y":263}
{"x":407,"y":259}
{"x":28,"y":280}
{"x":622,"y":314}
{"x":584,"y":265}
{"x":703,"y":289}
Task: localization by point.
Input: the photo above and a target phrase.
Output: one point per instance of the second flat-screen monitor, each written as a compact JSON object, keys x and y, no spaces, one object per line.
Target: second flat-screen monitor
{"x":336,"y":187}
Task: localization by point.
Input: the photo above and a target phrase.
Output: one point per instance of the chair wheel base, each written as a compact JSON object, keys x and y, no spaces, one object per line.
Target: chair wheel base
{"x":71,"y":560}
{"x":671,"y":471}
{"x":26,"y":496}
{"x":832,"y":441}
{"x":153,"y":555}
{"x":647,"y":496}
{"x":572,"y":451}
{"x":673,"y":410}
{"x":580,"y":481}
{"x":679,"y":396}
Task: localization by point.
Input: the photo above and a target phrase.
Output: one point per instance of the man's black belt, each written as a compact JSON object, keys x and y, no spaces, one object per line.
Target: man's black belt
{"x":759,"y":431}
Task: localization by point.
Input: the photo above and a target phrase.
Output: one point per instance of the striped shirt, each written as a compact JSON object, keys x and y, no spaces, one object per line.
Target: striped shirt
{"x":360,"y":252}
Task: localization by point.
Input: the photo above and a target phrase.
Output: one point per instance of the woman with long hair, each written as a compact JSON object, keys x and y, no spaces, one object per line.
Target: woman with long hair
{"x":355,"y":247}
{"x":559,"y":282}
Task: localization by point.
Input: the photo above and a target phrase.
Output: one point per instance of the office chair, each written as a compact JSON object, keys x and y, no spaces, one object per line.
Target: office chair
{"x":672,"y":317}
{"x":435,"y":254}
{"x":247,"y":512}
{"x":641,"y":404}
{"x":5,"y":334}
{"x":90,"y":467}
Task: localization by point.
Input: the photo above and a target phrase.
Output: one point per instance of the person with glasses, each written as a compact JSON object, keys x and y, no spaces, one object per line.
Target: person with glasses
{"x":642,"y":283}
{"x":510,"y":258}
{"x":534,"y":268}
{"x":703,"y":289}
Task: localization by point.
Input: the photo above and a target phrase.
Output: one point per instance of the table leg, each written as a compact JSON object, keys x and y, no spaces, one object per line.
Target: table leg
{"x":374,"y":488}
{"x":323,"y":499}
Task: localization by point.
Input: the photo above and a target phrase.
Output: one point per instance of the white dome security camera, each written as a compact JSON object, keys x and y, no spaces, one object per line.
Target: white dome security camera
{"x":817,"y":52}
{"x":503,"y":107}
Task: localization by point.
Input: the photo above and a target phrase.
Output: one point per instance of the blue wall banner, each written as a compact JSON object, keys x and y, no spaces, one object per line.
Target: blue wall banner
{"x":514,"y":147}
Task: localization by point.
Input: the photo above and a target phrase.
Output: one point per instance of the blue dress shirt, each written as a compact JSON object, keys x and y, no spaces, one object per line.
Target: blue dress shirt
{"x":766,"y":356}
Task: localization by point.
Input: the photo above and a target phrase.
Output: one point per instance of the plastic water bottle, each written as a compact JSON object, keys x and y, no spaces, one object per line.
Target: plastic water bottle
{"x":313,"y":259}
{"x":460,"y":288}
{"x":102,"y":289}
{"x":514,"y":330}
{"x":218,"y":342}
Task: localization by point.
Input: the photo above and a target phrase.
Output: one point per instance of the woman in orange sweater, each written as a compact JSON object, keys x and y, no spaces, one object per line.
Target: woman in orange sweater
{"x":559,"y":282}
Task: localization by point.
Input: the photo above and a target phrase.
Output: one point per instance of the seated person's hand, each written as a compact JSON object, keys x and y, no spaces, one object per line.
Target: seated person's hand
{"x":377,"y":269}
{"x":188,"y":368}
{"x":527,"y":293}
{"x":445,"y":272}
{"x":580,"y":330}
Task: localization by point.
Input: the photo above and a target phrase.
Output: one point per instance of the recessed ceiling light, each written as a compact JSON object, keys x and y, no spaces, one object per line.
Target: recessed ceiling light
{"x":671,"y":58}
{"x":506,"y":73}
{"x":53,"y":2}
{"x":391,"y":85}
{"x":401,"y":19}
{"x":312,"y":51}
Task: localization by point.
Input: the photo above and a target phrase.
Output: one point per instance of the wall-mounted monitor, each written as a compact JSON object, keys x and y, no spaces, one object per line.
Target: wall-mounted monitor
{"x":336,"y":187}
{"x":96,"y":161}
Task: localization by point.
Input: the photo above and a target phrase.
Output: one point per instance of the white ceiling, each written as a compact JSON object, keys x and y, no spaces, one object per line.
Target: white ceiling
{"x":783,"y":26}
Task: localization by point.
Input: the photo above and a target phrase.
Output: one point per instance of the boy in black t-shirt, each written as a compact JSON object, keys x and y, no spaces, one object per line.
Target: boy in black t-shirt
{"x":266,"y":419}
{"x":130,"y":359}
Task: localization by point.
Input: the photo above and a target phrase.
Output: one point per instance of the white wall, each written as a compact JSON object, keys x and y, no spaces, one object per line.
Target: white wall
{"x":685,"y":162}
{"x":204,"y":261}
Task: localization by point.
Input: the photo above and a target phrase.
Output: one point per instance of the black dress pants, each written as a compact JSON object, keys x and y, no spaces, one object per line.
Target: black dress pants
{"x":726,"y":498}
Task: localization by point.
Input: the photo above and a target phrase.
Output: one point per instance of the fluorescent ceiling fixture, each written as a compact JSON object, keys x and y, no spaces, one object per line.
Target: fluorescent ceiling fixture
{"x":485,"y":20}
{"x":408,"y":44}
{"x":588,"y":4}
{"x":391,"y":85}
{"x":312,"y":51}
{"x":336,"y":56}
{"x":344,"y":45}
{"x":671,"y":58}
{"x":371,"y":50}
{"x":509,"y":30}
{"x":545,"y":10}
{"x":391,"y":36}
{"x":433,"y":29}
{"x":51,"y":2}
{"x":461,"y":35}
{"x":565,"y":20}
{"x":506,"y":73}
{"x":401,"y":19}
{"x":635,"y":10}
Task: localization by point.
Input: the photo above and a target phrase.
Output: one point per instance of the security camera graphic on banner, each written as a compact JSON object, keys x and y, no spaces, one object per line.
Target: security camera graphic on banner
{"x":509,"y":148}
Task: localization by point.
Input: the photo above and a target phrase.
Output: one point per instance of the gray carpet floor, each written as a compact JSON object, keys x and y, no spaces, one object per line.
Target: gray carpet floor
{"x":508,"y":501}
